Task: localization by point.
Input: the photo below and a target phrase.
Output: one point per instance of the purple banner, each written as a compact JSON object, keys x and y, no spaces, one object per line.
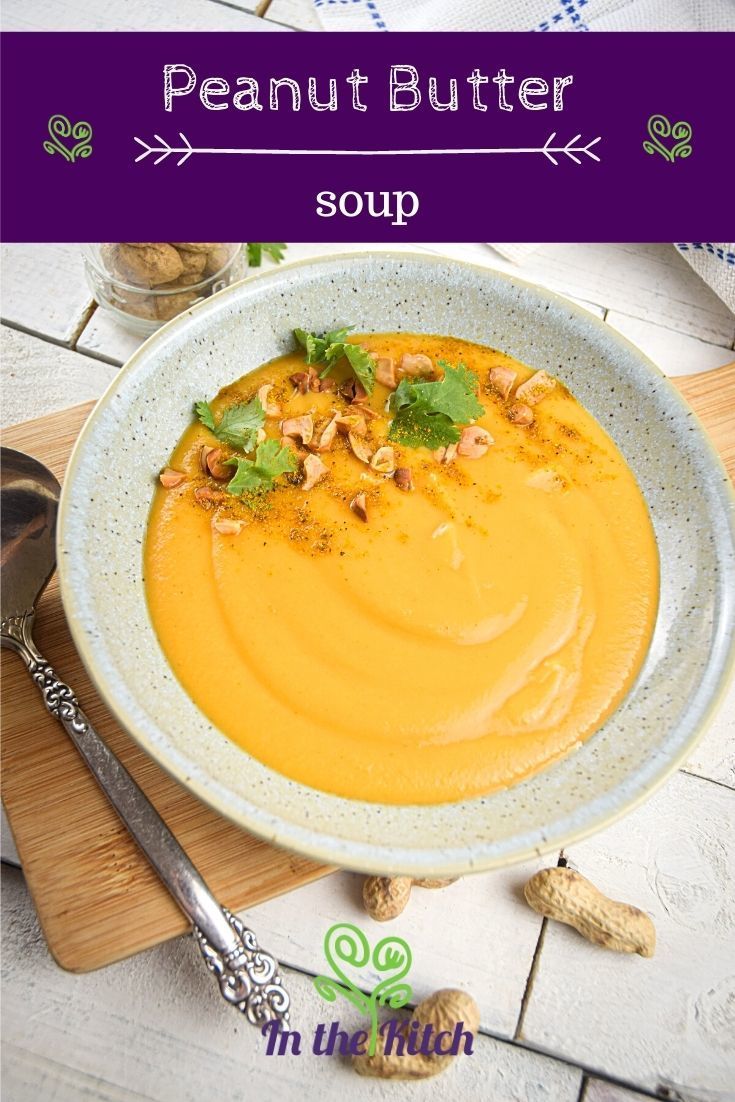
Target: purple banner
{"x":506,"y":137}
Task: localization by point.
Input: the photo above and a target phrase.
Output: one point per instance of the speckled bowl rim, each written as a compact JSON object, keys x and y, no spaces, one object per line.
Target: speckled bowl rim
{"x":316,"y":844}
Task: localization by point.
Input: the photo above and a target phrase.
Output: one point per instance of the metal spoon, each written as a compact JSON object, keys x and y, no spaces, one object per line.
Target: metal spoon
{"x":29,"y":495}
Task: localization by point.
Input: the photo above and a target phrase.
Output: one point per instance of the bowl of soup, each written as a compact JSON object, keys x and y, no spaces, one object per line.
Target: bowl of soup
{"x":401,"y":564}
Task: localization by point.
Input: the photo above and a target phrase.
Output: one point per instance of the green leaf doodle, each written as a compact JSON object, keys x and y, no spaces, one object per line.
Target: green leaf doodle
{"x":345,"y":944}
{"x":60,"y":130}
{"x":659,"y":128}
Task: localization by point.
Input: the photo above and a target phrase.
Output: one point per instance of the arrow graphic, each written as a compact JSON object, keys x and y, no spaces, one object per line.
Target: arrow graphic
{"x":165,"y":150}
{"x":183,"y":152}
{"x":570,"y":149}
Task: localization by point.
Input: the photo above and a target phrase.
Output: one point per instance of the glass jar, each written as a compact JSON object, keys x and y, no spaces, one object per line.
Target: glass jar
{"x":146,"y":284}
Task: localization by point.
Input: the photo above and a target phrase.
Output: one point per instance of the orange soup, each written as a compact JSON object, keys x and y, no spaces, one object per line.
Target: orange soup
{"x":410,"y":571}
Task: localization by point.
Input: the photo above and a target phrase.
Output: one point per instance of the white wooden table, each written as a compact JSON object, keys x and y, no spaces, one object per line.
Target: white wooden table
{"x":562,"y":1021}
{"x":157,"y":15}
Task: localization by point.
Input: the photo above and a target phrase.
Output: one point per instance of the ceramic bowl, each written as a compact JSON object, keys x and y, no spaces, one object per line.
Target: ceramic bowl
{"x":128,"y":438}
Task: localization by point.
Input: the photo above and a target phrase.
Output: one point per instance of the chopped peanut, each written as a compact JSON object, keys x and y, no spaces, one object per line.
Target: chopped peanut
{"x":227,"y":527}
{"x":204,"y":493}
{"x":328,"y":434}
{"x":520,"y":414}
{"x":417,"y":364}
{"x":353,"y":391}
{"x":385,"y":372}
{"x":359,"y":506}
{"x":536,"y":388}
{"x":272,"y":409}
{"x":300,"y":428}
{"x":474,"y":442}
{"x":359,"y":448}
{"x":384,"y":460}
{"x":314,"y":470}
{"x":305,"y":381}
{"x":502,"y":379}
{"x":289,"y":442}
{"x":445,"y":455}
{"x":315,"y":383}
{"x":261,"y":435}
{"x":403,"y":478}
{"x":210,"y":460}
{"x":352,"y":422}
{"x":300,"y":380}
{"x":170,"y":478}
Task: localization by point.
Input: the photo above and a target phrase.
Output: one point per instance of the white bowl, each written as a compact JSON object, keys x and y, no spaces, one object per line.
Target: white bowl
{"x":104,"y":512}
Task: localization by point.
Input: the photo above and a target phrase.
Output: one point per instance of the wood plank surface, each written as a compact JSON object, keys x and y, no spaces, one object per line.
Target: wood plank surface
{"x":97,"y":898}
{"x":674,"y":352}
{"x":664,"y":1024}
{"x":40,"y":377}
{"x":130,"y":15}
{"x":45,"y":290}
{"x":154,"y":1029}
{"x":96,"y":895}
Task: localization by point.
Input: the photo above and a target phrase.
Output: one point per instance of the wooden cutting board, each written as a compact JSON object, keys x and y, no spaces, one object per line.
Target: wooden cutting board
{"x":97,"y":898}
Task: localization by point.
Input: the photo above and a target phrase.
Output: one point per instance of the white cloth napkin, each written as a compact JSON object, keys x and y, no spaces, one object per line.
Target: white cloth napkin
{"x":526,"y":15}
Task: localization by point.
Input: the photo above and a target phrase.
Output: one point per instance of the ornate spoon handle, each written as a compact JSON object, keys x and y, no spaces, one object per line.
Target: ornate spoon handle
{"x":248,"y":977}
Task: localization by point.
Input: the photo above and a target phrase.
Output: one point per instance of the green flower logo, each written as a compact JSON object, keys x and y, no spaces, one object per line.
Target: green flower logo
{"x":60,"y":131}
{"x":345,"y":944}
{"x":660,"y":130}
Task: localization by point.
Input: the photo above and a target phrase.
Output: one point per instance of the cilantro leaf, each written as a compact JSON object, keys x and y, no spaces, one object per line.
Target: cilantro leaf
{"x":275,"y":250}
{"x":426,"y":413}
{"x":326,"y":349}
{"x":416,"y":427}
{"x":362,"y":364}
{"x":315,"y":347}
{"x":331,"y":347}
{"x":203,"y":411}
{"x":455,"y":395}
{"x":238,"y":425}
{"x":255,"y":476}
{"x":338,"y":336}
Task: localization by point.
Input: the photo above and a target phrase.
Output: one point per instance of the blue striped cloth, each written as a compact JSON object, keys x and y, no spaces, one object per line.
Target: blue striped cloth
{"x":526,"y":15}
